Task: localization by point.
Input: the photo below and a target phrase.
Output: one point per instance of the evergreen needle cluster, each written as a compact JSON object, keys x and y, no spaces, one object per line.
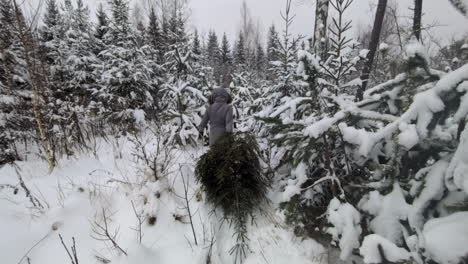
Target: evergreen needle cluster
{"x":232,"y":178}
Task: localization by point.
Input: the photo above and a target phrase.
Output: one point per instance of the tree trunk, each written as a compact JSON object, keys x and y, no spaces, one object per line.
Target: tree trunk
{"x":417,"y":18}
{"x":375,"y":37}
{"x":36,"y":80}
{"x":320,"y":30}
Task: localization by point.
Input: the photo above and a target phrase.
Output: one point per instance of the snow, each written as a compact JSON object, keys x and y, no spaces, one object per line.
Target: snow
{"x":293,"y":186}
{"x":425,"y":104}
{"x":388,"y":211}
{"x":139,"y":116}
{"x":138,"y":254}
{"x":77,"y":191}
{"x":304,"y":56}
{"x":290,"y":104}
{"x":398,"y":79}
{"x":446,"y":238}
{"x":316,"y":129}
{"x":371,"y":203}
{"x":462,"y":111}
{"x":433,"y":191}
{"x":414,"y":49}
{"x":7,"y":99}
{"x":359,"y":137}
{"x":278,"y":246}
{"x":383,"y":46}
{"x":355,"y":82}
{"x":369,"y":250}
{"x":363,"y":53}
{"x":456,"y":176}
{"x":346,"y":226}
{"x":422,"y":109}
{"x":451,"y":80}
{"x":408,"y":136}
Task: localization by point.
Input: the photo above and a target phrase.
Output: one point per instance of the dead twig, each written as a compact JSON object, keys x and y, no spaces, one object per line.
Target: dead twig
{"x":101,"y":233}
{"x":35,"y":245}
{"x":140,"y":219}
{"x":73,"y":255}
{"x":34,"y":201}
{"x":187,"y":205}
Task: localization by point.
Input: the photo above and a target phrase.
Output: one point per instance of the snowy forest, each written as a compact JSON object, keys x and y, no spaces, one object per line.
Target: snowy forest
{"x":349,"y":146}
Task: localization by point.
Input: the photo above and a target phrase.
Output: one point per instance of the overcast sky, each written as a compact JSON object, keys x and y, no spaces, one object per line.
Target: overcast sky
{"x":224,"y":15}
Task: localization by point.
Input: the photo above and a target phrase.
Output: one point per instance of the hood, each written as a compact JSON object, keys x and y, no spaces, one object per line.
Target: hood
{"x":221,"y":95}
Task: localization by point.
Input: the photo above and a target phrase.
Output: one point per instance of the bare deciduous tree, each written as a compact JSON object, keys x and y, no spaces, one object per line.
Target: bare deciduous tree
{"x":320,"y":30}
{"x":418,"y":4}
{"x":375,"y":37}
{"x":250,"y":28}
{"x":36,"y":76}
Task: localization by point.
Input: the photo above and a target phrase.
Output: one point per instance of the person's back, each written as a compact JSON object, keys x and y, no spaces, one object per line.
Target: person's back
{"x":219,"y":115}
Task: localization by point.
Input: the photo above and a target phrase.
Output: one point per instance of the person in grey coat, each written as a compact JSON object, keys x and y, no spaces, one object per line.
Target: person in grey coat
{"x":218,"y":114}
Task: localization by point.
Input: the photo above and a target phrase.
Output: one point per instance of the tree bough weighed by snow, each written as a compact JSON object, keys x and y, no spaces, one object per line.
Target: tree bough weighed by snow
{"x":232,"y":178}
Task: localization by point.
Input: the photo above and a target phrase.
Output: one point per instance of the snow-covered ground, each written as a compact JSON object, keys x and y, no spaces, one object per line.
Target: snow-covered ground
{"x":81,"y":189}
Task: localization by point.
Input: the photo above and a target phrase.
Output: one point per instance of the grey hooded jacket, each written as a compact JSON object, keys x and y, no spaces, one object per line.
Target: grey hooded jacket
{"x":218,"y":114}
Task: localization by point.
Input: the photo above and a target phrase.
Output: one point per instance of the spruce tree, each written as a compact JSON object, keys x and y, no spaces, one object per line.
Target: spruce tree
{"x":153,"y":31}
{"x":226,"y":62}
{"x":213,"y":54}
{"x":184,"y":84}
{"x":6,"y":38}
{"x":260,"y":61}
{"x":181,"y":33}
{"x":102,"y":26}
{"x":80,"y":44}
{"x":240,"y":55}
{"x":307,"y":90}
{"x":196,"y":46}
{"x":141,"y":34}
{"x":226,"y":56}
{"x":129,"y":77}
{"x":53,"y":47}
{"x":81,"y":17}
{"x":164,"y":47}
{"x":243,"y":92}
{"x":272,"y":44}
{"x":72,"y":76}
{"x":51,"y":32}
{"x":16,"y":122}
{"x":120,"y":27}
{"x":51,"y":20}
{"x":212,"y":49}
{"x":173,"y":30}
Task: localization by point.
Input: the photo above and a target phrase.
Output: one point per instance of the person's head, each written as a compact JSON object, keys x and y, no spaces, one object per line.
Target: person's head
{"x":220,"y":95}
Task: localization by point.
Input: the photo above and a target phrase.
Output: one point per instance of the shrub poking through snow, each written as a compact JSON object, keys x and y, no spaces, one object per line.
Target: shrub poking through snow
{"x":232,"y":179}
